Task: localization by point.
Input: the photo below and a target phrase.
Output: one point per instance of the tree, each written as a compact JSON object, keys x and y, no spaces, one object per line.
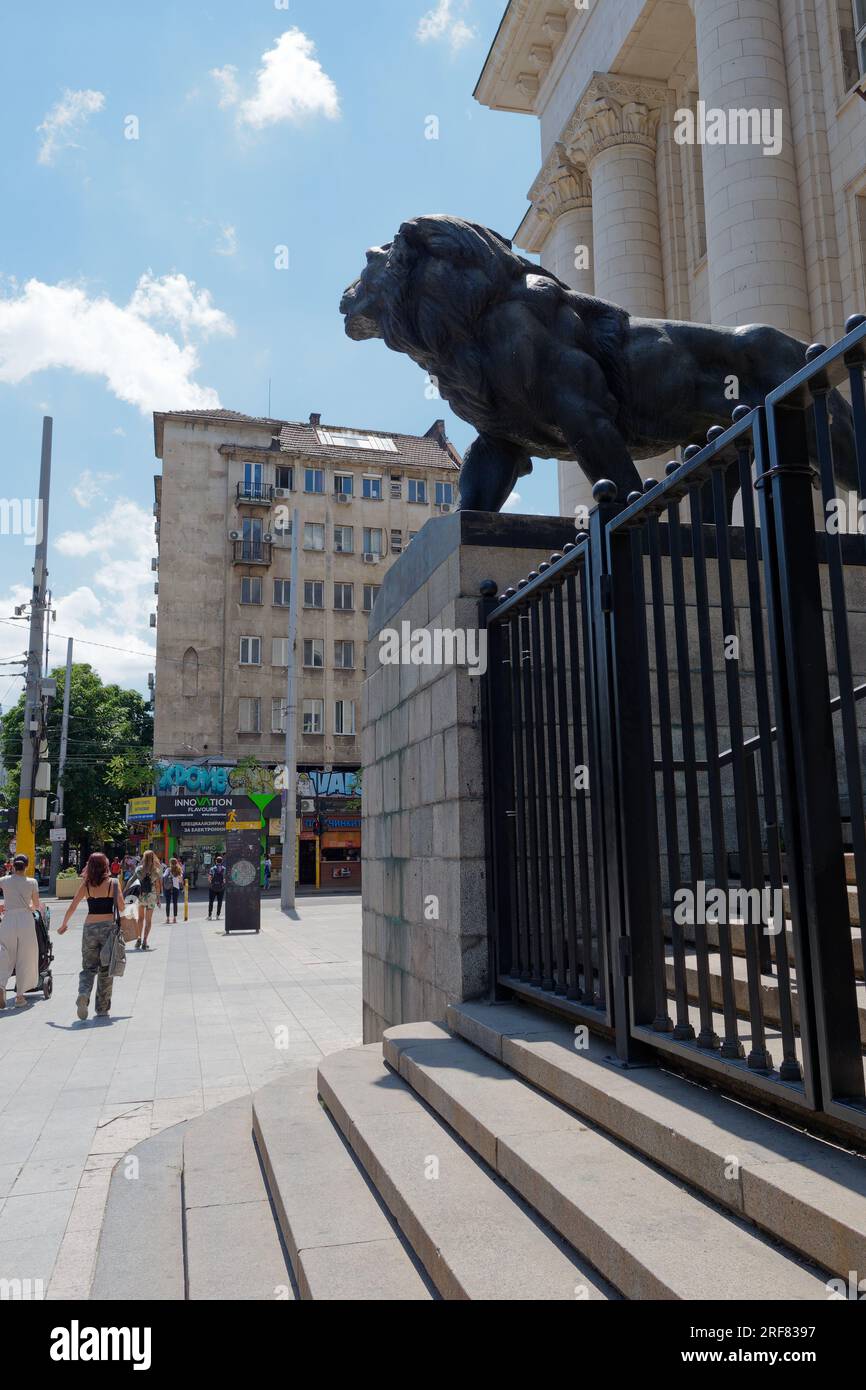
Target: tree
{"x":109,"y":755}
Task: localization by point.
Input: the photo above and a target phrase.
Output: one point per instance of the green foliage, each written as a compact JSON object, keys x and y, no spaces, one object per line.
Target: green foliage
{"x":109,"y":755}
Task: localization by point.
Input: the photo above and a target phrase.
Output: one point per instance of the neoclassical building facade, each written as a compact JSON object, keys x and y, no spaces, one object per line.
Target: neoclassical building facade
{"x":655,"y":190}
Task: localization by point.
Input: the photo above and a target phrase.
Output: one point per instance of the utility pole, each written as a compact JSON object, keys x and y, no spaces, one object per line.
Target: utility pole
{"x":290,"y":795}
{"x":25,"y":839}
{"x":56,"y":846}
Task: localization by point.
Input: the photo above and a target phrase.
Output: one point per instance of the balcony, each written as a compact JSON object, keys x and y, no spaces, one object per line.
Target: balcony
{"x":252,"y":552}
{"x":255,"y":494}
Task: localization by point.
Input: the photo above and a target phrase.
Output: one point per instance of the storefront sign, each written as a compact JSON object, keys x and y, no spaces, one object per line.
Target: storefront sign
{"x":141,"y":808}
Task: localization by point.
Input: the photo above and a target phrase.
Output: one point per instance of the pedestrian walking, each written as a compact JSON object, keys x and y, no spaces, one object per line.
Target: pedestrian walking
{"x":172,"y":883}
{"x":19,"y":946}
{"x":115,"y":867}
{"x":267,"y":873}
{"x":149,"y":874}
{"x":216,"y":886}
{"x":104,"y":895}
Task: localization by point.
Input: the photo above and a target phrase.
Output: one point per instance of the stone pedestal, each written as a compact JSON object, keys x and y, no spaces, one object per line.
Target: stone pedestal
{"x":425,"y":941}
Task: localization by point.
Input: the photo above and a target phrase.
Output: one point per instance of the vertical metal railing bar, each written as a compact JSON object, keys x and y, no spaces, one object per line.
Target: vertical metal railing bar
{"x":556,"y":795}
{"x":521,"y":963}
{"x":566,"y":776}
{"x":683,"y":1029}
{"x":593,"y":926}
{"x":751,"y":873}
{"x":790,"y":1069}
{"x":707,"y":1037}
{"x":731,"y":1046}
{"x":531,"y":794}
{"x":500,"y":653}
{"x":842,"y":647}
{"x":544,"y":895}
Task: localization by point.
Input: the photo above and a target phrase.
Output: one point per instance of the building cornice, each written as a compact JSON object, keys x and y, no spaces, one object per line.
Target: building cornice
{"x":522,"y":53}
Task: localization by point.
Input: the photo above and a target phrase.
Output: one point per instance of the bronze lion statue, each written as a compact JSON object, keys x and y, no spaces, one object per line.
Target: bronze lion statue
{"x":540,"y":370}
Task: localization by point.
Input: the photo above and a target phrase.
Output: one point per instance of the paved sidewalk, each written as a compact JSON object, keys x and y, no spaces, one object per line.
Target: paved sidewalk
{"x":199,"y":1020}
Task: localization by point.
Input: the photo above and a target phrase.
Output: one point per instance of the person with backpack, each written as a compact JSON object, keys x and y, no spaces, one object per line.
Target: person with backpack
{"x":149,"y":875}
{"x":216,"y":887}
{"x":172,"y":882}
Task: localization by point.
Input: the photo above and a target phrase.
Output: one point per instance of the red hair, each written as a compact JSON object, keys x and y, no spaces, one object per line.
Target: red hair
{"x":96,"y":870}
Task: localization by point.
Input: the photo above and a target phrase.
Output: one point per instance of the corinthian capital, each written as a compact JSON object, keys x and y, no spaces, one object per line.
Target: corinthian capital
{"x":614,"y":111}
{"x":561,"y":186}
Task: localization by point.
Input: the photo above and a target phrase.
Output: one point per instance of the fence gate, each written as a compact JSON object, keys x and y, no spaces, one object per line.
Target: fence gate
{"x":675,"y":814}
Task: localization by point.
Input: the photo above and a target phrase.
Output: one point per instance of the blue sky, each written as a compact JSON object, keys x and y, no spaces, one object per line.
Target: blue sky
{"x":137,"y":269}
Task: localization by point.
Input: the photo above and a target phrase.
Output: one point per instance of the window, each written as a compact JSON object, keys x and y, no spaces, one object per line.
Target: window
{"x":253,"y":484}
{"x":285,"y":479}
{"x":314,"y":480}
{"x":314,"y":593}
{"x":396,"y":487}
{"x":344,"y":656}
{"x":253,"y":533}
{"x":396,"y":542}
{"x":344,"y":717}
{"x":344,"y":484}
{"x":372,"y":540}
{"x":279,"y":714}
{"x":249,"y":715}
{"x":314,"y":652}
{"x":345,"y":439}
{"x":344,"y":597}
{"x":280,"y":651}
{"x":251,"y":590}
{"x":251,"y":651}
{"x":282,"y":593}
{"x":314,"y":535}
{"x":371,"y":593}
{"x":344,"y":540}
{"x":444,"y":494}
{"x":314,"y":717}
{"x":282,"y":521}
{"x":372,"y":489}
{"x":860,"y":34}
{"x":418,"y":490}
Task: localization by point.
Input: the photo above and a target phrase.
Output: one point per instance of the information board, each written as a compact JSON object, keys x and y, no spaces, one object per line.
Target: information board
{"x":243,"y":893}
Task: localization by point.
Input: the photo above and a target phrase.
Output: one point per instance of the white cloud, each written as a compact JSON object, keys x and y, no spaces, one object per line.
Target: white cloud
{"x":113,"y":637}
{"x":513,"y":502}
{"x":228,"y":242}
{"x":64,"y":121}
{"x":90,"y":487}
{"x":49,"y":326}
{"x":118,"y":429}
{"x":290,"y":84}
{"x":442,"y":23}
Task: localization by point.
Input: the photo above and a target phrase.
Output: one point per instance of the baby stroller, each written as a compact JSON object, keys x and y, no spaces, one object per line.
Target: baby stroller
{"x":42,"y":922}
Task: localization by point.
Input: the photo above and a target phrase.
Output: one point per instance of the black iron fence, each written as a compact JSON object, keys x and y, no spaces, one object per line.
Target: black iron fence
{"x":675,"y":737}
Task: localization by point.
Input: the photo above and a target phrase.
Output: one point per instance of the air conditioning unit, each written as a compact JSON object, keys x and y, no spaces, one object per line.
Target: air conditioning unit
{"x":281,"y":492}
{"x":156,"y":588}
{"x":153,"y":620}
{"x":370,"y":558}
{"x":154,"y":564}
{"x":308,"y":805}
{"x":268,"y":539}
{"x":444,"y":507}
{"x":342,"y":497}
{"x":234,"y":535}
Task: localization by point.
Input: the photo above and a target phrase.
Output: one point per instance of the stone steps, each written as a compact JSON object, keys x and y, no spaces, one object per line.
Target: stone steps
{"x":645,"y":1231}
{"x":769,"y":988}
{"x":474,"y":1236}
{"x":737,"y":933}
{"x":188,"y":1216}
{"x":807,"y":1194}
{"x":340,"y":1241}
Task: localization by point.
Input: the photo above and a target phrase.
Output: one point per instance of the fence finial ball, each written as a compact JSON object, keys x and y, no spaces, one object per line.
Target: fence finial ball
{"x":509,"y":593}
{"x":691,"y":452}
{"x":555,"y":557}
{"x":569,"y":545}
{"x":671,"y":467}
{"x":814,"y":350}
{"x":634,"y":497}
{"x":740,"y":412}
{"x":489,"y":588}
{"x":714,"y":432}
{"x":604,"y":491}
{"x":543,"y":566}
{"x":854,"y":322}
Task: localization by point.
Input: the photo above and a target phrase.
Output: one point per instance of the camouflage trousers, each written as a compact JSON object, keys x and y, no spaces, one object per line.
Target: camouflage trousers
{"x":92,"y":941}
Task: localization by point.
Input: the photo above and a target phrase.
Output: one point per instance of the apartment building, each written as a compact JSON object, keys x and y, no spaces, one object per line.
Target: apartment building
{"x":700,"y":159}
{"x":224,"y":503}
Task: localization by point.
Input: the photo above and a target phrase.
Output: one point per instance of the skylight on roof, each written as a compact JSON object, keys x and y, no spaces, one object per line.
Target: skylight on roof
{"x":345,"y":439}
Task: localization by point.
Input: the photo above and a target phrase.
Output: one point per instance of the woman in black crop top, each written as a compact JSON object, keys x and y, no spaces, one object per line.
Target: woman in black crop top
{"x":103,"y":894}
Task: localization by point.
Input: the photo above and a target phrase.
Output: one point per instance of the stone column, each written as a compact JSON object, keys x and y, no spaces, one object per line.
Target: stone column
{"x":558,"y":227}
{"x":754,"y":234}
{"x":614,"y":129}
